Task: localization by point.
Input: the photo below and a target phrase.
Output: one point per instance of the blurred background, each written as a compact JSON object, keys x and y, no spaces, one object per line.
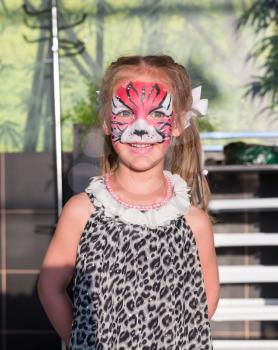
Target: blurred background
{"x":230,"y":47}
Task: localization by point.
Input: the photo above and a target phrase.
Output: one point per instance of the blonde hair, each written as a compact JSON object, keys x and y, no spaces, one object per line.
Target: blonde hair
{"x":186,"y":151}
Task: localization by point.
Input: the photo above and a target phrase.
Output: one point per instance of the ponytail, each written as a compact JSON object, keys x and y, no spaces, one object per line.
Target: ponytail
{"x":186,"y":160}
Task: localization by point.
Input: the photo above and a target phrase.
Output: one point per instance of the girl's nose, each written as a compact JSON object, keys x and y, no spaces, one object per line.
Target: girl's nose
{"x":139,"y":132}
{"x":141,"y":114}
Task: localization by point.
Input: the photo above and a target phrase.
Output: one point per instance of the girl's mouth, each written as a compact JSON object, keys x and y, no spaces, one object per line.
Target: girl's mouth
{"x":141,"y":148}
{"x":141,"y":145}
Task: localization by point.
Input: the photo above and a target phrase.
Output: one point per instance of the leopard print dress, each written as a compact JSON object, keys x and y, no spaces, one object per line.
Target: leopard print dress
{"x":138,"y":282}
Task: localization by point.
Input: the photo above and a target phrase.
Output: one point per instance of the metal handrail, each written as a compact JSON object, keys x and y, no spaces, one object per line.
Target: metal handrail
{"x":242,"y":168}
{"x":216,"y":135}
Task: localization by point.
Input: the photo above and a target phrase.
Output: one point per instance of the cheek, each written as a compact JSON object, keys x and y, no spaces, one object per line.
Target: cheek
{"x":118,"y":121}
{"x":116,"y":125}
{"x":162,"y":148}
{"x":169,"y":126}
{"x":118,"y":147}
{"x":159,"y":121}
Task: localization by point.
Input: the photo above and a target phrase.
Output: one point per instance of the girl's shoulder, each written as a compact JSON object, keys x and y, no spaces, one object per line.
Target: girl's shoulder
{"x":69,"y":228}
{"x":79,"y":207}
{"x":195,"y":212}
{"x":199,"y":222}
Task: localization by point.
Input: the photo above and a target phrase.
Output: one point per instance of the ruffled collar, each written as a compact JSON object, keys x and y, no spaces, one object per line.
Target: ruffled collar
{"x":177,"y":205}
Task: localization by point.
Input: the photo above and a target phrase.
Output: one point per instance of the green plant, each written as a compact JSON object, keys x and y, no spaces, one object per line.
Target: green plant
{"x":263,"y":16}
{"x":85,"y":110}
{"x":9,"y":137}
{"x":204,"y":124}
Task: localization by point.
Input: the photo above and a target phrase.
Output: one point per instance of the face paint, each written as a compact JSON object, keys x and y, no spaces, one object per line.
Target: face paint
{"x":141,"y":113}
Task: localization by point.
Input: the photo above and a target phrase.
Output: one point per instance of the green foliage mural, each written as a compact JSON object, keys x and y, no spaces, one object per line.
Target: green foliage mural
{"x":9,"y":135}
{"x":263,"y":17}
{"x":85,"y":110}
{"x":201,"y":35}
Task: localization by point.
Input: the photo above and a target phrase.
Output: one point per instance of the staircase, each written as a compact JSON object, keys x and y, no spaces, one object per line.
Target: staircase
{"x":248,"y":293}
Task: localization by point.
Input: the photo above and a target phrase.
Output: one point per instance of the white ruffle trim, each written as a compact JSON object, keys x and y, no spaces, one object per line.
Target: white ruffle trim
{"x":178,"y":204}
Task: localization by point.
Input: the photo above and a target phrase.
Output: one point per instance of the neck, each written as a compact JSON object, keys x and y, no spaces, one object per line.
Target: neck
{"x":139,"y":186}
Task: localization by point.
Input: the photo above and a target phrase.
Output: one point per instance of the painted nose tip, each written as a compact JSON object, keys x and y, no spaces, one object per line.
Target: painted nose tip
{"x":140,"y":132}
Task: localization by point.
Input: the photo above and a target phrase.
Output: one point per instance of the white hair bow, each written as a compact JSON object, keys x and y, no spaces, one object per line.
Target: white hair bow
{"x":198,"y":108}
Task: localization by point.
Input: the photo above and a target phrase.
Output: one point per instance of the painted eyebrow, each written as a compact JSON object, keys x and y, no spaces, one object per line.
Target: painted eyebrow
{"x":170,"y":101}
{"x":157,"y":89}
{"x":161,"y":103}
{"x":122,"y":102}
{"x":131,"y":86}
{"x":154,"y":109}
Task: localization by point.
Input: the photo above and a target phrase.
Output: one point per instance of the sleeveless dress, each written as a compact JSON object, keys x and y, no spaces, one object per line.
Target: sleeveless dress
{"x":138,"y":282}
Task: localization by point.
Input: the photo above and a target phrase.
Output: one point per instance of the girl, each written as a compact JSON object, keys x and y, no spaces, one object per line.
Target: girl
{"x":138,"y":240}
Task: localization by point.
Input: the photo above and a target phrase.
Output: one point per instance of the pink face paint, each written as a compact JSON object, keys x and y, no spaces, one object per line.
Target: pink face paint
{"x":141,"y":113}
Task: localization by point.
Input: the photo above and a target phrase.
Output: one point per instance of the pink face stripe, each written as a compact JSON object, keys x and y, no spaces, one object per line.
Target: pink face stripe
{"x":141,"y":112}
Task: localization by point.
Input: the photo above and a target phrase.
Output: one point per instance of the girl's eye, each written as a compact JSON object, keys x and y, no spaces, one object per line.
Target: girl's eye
{"x":125,"y":113}
{"x":157,"y":114}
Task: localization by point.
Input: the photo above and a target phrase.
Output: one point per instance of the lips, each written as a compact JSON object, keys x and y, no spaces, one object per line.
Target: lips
{"x":141,"y":145}
{"x":141,"y":148}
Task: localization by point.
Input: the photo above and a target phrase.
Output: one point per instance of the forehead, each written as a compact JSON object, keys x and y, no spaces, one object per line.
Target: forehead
{"x":141,"y":87}
{"x":143,"y":77}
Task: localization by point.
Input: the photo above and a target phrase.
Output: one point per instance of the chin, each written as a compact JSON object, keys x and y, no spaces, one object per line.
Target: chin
{"x":141,"y":166}
{"x":141,"y":162}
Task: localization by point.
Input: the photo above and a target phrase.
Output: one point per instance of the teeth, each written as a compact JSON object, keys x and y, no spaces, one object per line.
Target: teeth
{"x":141,"y":145}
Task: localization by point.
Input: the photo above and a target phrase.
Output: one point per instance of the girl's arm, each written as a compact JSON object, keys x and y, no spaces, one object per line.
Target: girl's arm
{"x":200,"y":225}
{"x":59,"y":263}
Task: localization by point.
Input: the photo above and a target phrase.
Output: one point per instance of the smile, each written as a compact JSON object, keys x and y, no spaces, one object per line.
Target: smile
{"x":141,"y":148}
{"x":141,"y":145}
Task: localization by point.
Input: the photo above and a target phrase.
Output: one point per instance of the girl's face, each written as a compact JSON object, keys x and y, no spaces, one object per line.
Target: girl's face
{"x":142,"y":119}
{"x":141,"y":112}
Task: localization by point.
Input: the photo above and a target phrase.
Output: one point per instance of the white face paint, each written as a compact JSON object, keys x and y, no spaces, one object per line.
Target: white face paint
{"x":141,"y":131}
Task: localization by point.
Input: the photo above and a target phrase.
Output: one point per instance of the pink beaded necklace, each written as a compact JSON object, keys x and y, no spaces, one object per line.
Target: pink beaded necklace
{"x":155,"y":205}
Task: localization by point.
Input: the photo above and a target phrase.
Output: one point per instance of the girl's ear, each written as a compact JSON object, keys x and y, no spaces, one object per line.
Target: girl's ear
{"x":105,"y":128}
{"x":176,"y":129}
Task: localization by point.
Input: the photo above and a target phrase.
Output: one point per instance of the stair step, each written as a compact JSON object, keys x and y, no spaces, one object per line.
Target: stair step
{"x":247,"y":301}
{"x":248,"y":274}
{"x":245,"y":239}
{"x":245,"y":344}
{"x":259,"y":309}
{"x":219,"y":205}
